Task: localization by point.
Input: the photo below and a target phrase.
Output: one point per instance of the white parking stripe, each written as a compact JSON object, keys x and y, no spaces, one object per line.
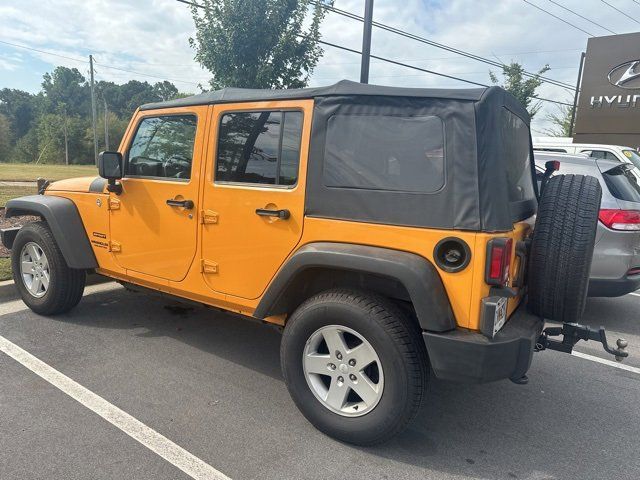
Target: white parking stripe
{"x":154,"y":441}
{"x":604,"y":361}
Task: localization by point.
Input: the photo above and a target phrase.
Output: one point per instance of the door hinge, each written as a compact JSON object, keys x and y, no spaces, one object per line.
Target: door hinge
{"x":209,"y":217}
{"x":208,"y":266}
{"x":115,"y":247}
{"x":114,"y":204}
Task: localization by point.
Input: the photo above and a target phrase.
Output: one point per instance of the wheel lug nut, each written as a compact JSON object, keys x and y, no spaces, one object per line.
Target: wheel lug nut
{"x":331,"y":366}
{"x":340,"y":380}
{"x":352,"y":362}
{"x":338,"y":355}
{"x":352,"y":377}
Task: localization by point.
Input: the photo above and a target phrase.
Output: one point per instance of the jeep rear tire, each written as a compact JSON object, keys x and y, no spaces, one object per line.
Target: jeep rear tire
{"x":562,"y":247}
{"x":41,"y":275}
{"x":355,"y":365}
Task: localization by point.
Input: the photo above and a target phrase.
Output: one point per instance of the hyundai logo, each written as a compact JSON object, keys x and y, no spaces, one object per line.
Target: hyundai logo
{"x":626,"y":75}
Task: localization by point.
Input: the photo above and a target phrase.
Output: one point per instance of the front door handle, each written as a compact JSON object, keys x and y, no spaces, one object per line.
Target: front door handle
{"x":188,"y":204}
{"x":265,"y":212}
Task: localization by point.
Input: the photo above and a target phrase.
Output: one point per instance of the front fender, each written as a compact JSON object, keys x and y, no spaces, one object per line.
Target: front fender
{"x":64,"y":220}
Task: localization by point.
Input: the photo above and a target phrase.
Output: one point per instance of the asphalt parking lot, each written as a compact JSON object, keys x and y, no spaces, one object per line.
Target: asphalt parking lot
{"x":209,"y":383}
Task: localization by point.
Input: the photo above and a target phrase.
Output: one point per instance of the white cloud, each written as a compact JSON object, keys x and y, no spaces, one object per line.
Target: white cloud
{"x":151,"y":37}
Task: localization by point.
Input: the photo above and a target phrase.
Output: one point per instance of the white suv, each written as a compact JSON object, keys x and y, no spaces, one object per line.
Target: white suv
{"x":596,"y":150}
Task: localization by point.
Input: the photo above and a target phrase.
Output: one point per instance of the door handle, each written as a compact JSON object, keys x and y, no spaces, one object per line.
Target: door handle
{"x":265,"y":212}
{"x":188,"y":204}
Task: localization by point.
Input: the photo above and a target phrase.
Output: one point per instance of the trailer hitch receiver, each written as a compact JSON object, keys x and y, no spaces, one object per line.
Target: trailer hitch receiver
{"x":572,"y":333}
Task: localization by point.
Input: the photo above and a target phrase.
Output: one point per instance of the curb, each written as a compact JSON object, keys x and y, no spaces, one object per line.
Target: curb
{"x":9,"y":292}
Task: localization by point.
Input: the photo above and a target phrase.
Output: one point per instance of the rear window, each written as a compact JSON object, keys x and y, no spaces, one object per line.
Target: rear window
{"x":378,"y":152}
{"x":515,"y":135}
{"x":622,"y":182}
{"x":633,"y":157}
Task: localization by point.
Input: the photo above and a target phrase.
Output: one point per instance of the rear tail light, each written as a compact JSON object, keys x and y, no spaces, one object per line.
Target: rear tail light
{"x":633,"y":271}
{"x":620,"y":219}
{"x":498,"y":261}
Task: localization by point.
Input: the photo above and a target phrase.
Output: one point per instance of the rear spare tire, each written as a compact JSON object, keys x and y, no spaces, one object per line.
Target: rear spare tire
{"x":562,"y":247}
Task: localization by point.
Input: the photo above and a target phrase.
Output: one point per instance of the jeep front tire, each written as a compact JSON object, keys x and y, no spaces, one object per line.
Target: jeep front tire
{"x":41,"y":275}
{"x":355,"y":365}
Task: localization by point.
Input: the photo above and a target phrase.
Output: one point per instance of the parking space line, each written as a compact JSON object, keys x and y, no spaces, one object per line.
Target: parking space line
{"x":604,"y":361}
{"x":154,"y":441}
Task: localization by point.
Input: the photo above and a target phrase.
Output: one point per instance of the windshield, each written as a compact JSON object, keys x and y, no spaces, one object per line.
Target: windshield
{"x":633,"y":157}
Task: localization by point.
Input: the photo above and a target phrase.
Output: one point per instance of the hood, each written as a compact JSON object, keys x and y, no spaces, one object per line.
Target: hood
{"x":80,"y":184}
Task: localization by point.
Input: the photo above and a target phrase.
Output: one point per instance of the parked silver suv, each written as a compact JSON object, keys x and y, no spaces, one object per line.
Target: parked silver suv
{"x":615,"y":269}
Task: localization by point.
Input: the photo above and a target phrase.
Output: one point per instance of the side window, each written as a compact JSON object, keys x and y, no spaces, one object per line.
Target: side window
{"x":549,"y":149}
{"x":601,"y":154}
{"x":163,"y":147}
{"x":259,"y":147}
{"x":384,"y":152}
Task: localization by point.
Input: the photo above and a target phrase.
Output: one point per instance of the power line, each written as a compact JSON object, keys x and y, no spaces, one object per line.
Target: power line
{"x":144,"y":74}
{"x":44,"y":52}
{"x":583,"y":17}
{"x":388,"y":60}
{"x":432,"y":43}
{"x":620,"y":11}
{"x":557,"y":17}
{"x":413,"y":67}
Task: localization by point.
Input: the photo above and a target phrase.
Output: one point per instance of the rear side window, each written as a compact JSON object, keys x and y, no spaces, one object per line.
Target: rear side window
{"x":549,"y":149}
{"x":515,"y":138}
{"x":259,"y":147}
{"x":622,"y":182}
{"x":377,"y":152}
{"x":601,"y":154}
{"x":163,"y":147}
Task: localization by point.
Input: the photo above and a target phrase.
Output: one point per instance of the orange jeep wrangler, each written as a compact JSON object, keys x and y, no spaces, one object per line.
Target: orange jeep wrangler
{"x":389,"y":231}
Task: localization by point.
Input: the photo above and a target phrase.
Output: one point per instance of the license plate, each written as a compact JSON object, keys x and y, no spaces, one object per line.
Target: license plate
{"x":500,"y":315}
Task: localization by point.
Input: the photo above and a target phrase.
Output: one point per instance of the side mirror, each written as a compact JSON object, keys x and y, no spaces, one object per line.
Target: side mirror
{"x":110,"y":165}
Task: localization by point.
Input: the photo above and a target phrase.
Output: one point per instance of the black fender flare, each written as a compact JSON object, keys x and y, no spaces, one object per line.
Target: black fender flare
{"x":417,"y":274}
{"x":64,"y":220}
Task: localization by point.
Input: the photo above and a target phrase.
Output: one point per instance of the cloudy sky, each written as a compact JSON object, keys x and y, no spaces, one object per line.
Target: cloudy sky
{"x":148,"y":40}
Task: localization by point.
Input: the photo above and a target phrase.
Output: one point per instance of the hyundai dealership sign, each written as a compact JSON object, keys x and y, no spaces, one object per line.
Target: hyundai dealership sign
{"x":609,"y":103}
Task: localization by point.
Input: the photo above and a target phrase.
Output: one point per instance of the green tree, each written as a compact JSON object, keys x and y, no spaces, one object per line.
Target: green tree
{"x":520,"y":86}
{"x":20,"y":108}
{"x":6,"y":138}
{"x":560,"y":121}
{"x":66,"y":86}
{"x":257,"y":43}
{"x":165,"y":90}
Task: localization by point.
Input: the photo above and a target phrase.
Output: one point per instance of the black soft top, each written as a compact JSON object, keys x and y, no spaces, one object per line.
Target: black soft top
{"x":342,"y":88}
{"x":487,"y":166}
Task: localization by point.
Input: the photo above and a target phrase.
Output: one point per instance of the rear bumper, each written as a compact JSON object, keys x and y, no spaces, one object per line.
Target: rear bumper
{"x":613,"y":287}
{"x":466,"y":356}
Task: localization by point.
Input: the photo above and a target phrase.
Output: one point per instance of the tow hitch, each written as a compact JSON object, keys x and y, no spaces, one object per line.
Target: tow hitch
{"x":572,"y":333}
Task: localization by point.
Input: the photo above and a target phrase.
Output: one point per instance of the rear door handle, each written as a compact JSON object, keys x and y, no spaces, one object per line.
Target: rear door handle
{"x":188,"y":204}
{"x":265,"y":212}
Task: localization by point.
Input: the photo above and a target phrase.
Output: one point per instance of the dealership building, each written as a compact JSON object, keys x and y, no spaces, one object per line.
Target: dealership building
{"x":609,"y":103}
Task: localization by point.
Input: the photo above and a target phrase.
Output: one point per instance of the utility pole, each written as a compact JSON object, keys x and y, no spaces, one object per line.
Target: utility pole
{"x":106,"y":124}
{"x":93,"y":113}
{"x":366,"y":41}
{"x":575,"y":98}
